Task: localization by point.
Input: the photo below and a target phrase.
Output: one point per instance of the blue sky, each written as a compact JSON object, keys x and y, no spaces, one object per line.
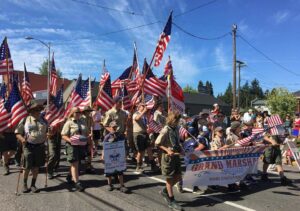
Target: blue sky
{"x":79,"y":38}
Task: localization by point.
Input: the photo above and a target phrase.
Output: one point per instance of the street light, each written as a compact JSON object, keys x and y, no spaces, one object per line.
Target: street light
{"x":240,"y":64}
{"x":48,"y":45}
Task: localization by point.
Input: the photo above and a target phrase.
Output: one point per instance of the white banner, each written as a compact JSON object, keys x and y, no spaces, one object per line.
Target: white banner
{"x":114,"y":157}
{"x":221,"y":167}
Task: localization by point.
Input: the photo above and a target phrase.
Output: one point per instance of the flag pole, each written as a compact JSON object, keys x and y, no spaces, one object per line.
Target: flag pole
{"x":90,"y":88}
{"x":101,"y":87}
{"x":7,"y":67}
{"x":169,"y":87}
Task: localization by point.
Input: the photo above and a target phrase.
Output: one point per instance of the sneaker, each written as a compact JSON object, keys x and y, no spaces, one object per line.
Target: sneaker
{"x":197,"y":190}
{"x":139,"y":170}
{"x":212,"y":188}
{"x":179,"y":187}
{"x":79,"y":187}
{"x":154,"y":167}
{"x":285,"y":181}
{"x":250,"y":179}
{"x":34,"y":189}
{"x":174,"y":206}
{"x":25,"y":189}
{"x":165,"y":195}
{"x":123,"y":189}
{"x":110,"y":188}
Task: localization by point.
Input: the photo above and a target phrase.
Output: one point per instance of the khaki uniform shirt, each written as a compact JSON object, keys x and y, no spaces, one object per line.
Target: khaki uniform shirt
{"x":163,"y":138}
{"x":88,"y":122}
{"x":231,"y":139}
{"x":33,"y":130}
{"x":159,"y":117}
{"x":118,"y":116}
{"x":74,"y":127}
{"x":217,"y":143}
{"x":139,"y":126}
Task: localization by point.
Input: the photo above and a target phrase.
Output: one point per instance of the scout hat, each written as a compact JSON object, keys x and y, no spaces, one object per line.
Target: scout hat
{"x":113,"y":124}
{"x":34,"y":105}
{"x":218,"y":129}
{"x":235,"y":125}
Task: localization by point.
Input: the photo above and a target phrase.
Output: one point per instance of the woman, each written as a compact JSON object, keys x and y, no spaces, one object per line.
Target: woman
{"x":168,"y":142}
{"x":75,"y":133}
{"x":219,"y":140}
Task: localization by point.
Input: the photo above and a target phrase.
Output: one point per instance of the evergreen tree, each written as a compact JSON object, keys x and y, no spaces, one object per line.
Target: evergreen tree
{"x":200,"y":86}
{"x":189,"y":89}
{"x":43,"y":69}
{"x":227,"y":96}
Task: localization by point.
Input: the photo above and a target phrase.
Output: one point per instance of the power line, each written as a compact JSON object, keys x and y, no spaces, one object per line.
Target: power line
{"x":201,"y":38}
{"x":107,"y":8}
{"x":196,"y":8}
{"x":267,"y":57}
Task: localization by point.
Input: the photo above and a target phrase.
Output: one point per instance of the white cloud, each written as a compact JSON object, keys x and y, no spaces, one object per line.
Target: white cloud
{"x":221,"y":58}
{"x":281,"y":16}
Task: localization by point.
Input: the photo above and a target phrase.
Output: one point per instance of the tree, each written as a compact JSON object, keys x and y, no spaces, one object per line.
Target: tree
{"x":245,"y":95}
{"x":211,"y":89}
{"x":282,"y":102}
{"x":255,"y":90}
{"x":200,"y":86}
{"x":227,"y":96}
{"x":43,"y":69}
{"x":189,"y":89}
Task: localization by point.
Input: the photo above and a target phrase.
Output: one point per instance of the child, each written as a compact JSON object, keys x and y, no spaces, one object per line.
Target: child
{"x":111,"y":137}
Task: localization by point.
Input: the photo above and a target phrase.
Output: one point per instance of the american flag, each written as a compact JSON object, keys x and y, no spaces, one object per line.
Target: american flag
{"x":134,"y":85}
{"x":277,"y":130}
{"x":125,"y":98}
{"x":168,"y":68}
{"x":135,"y":64}
{"x":163,"y":41}
{"x":153,"y":85}
{"x":104,"y":98}
{"x":149,"y":100}
{"x":78,"y":140}
{"x":14,"y":109}
{"x":26,"y":91}
{"x":245,"y":141}
{"x":274,"y":120}
{"x":55,"y":114}
{"x":257,"y":131}
{"x":80,"y":96}
{"x":5,"y":58}
{"x":182,"y":132}
{"x":154,"y":126}
{"x":53,"y":78}
{"x":124,"y":78}
{"x":2,"y":95}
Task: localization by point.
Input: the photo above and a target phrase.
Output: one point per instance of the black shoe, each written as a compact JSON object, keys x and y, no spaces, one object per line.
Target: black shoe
{"x":265,"y":178}
{"x":69,"y":179}
{"x":232,"y":188}
{"x":25,"y":189}
{"x":165,"y":195}
{"x":110,"y":188}
{"x":79,"y":187}
{"x":34,"y":189}
{"x":174,"y":206}
{"x":285,"y":181}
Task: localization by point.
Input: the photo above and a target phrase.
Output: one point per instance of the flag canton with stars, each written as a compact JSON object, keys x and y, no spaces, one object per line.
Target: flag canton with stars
{"x":4,"y":50}
{"x":3,"y":91}
{"x":58,"y":100}
{"x":13,"y":98}
{"x":82,"y":88}
{"x":145,"y":68}
{"x":126,"y":73}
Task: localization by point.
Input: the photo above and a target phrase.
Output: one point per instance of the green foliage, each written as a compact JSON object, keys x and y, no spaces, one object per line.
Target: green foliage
{"x":282,"y":102}
{"x":43,"y":69}
{"x":189,"y":89}
{"x":227,"y":96}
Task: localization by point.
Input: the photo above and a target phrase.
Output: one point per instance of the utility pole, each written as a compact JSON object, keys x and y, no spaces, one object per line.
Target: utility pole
{"x":234,"y":28}
{"x":240,"y":64}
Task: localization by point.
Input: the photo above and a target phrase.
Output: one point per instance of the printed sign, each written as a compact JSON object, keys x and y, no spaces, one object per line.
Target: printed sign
{"x":221,"y":167}
{"x":114,"y":157}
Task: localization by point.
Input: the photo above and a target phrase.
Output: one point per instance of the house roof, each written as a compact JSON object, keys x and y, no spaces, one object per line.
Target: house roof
{"x":39,"y":82}
{"x":259,"y":102}
{"x":297,"y":94}
{"x":202,"y":99}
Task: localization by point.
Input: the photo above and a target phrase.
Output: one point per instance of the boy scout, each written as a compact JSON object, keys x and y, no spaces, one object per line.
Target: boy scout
{"x":31,"y":132}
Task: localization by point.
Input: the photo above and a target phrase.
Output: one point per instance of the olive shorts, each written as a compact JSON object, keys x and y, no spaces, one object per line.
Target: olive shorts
{"x":34,"y":155}
{"x":75,"y":153}
{"x":141,"y":141}
{"x":170,"y":166}
{"x":8,"y":142}
{"x":272,"y":155}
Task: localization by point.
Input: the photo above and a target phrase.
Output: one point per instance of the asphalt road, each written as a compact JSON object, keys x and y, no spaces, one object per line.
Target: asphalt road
{"x":144,"y":194}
